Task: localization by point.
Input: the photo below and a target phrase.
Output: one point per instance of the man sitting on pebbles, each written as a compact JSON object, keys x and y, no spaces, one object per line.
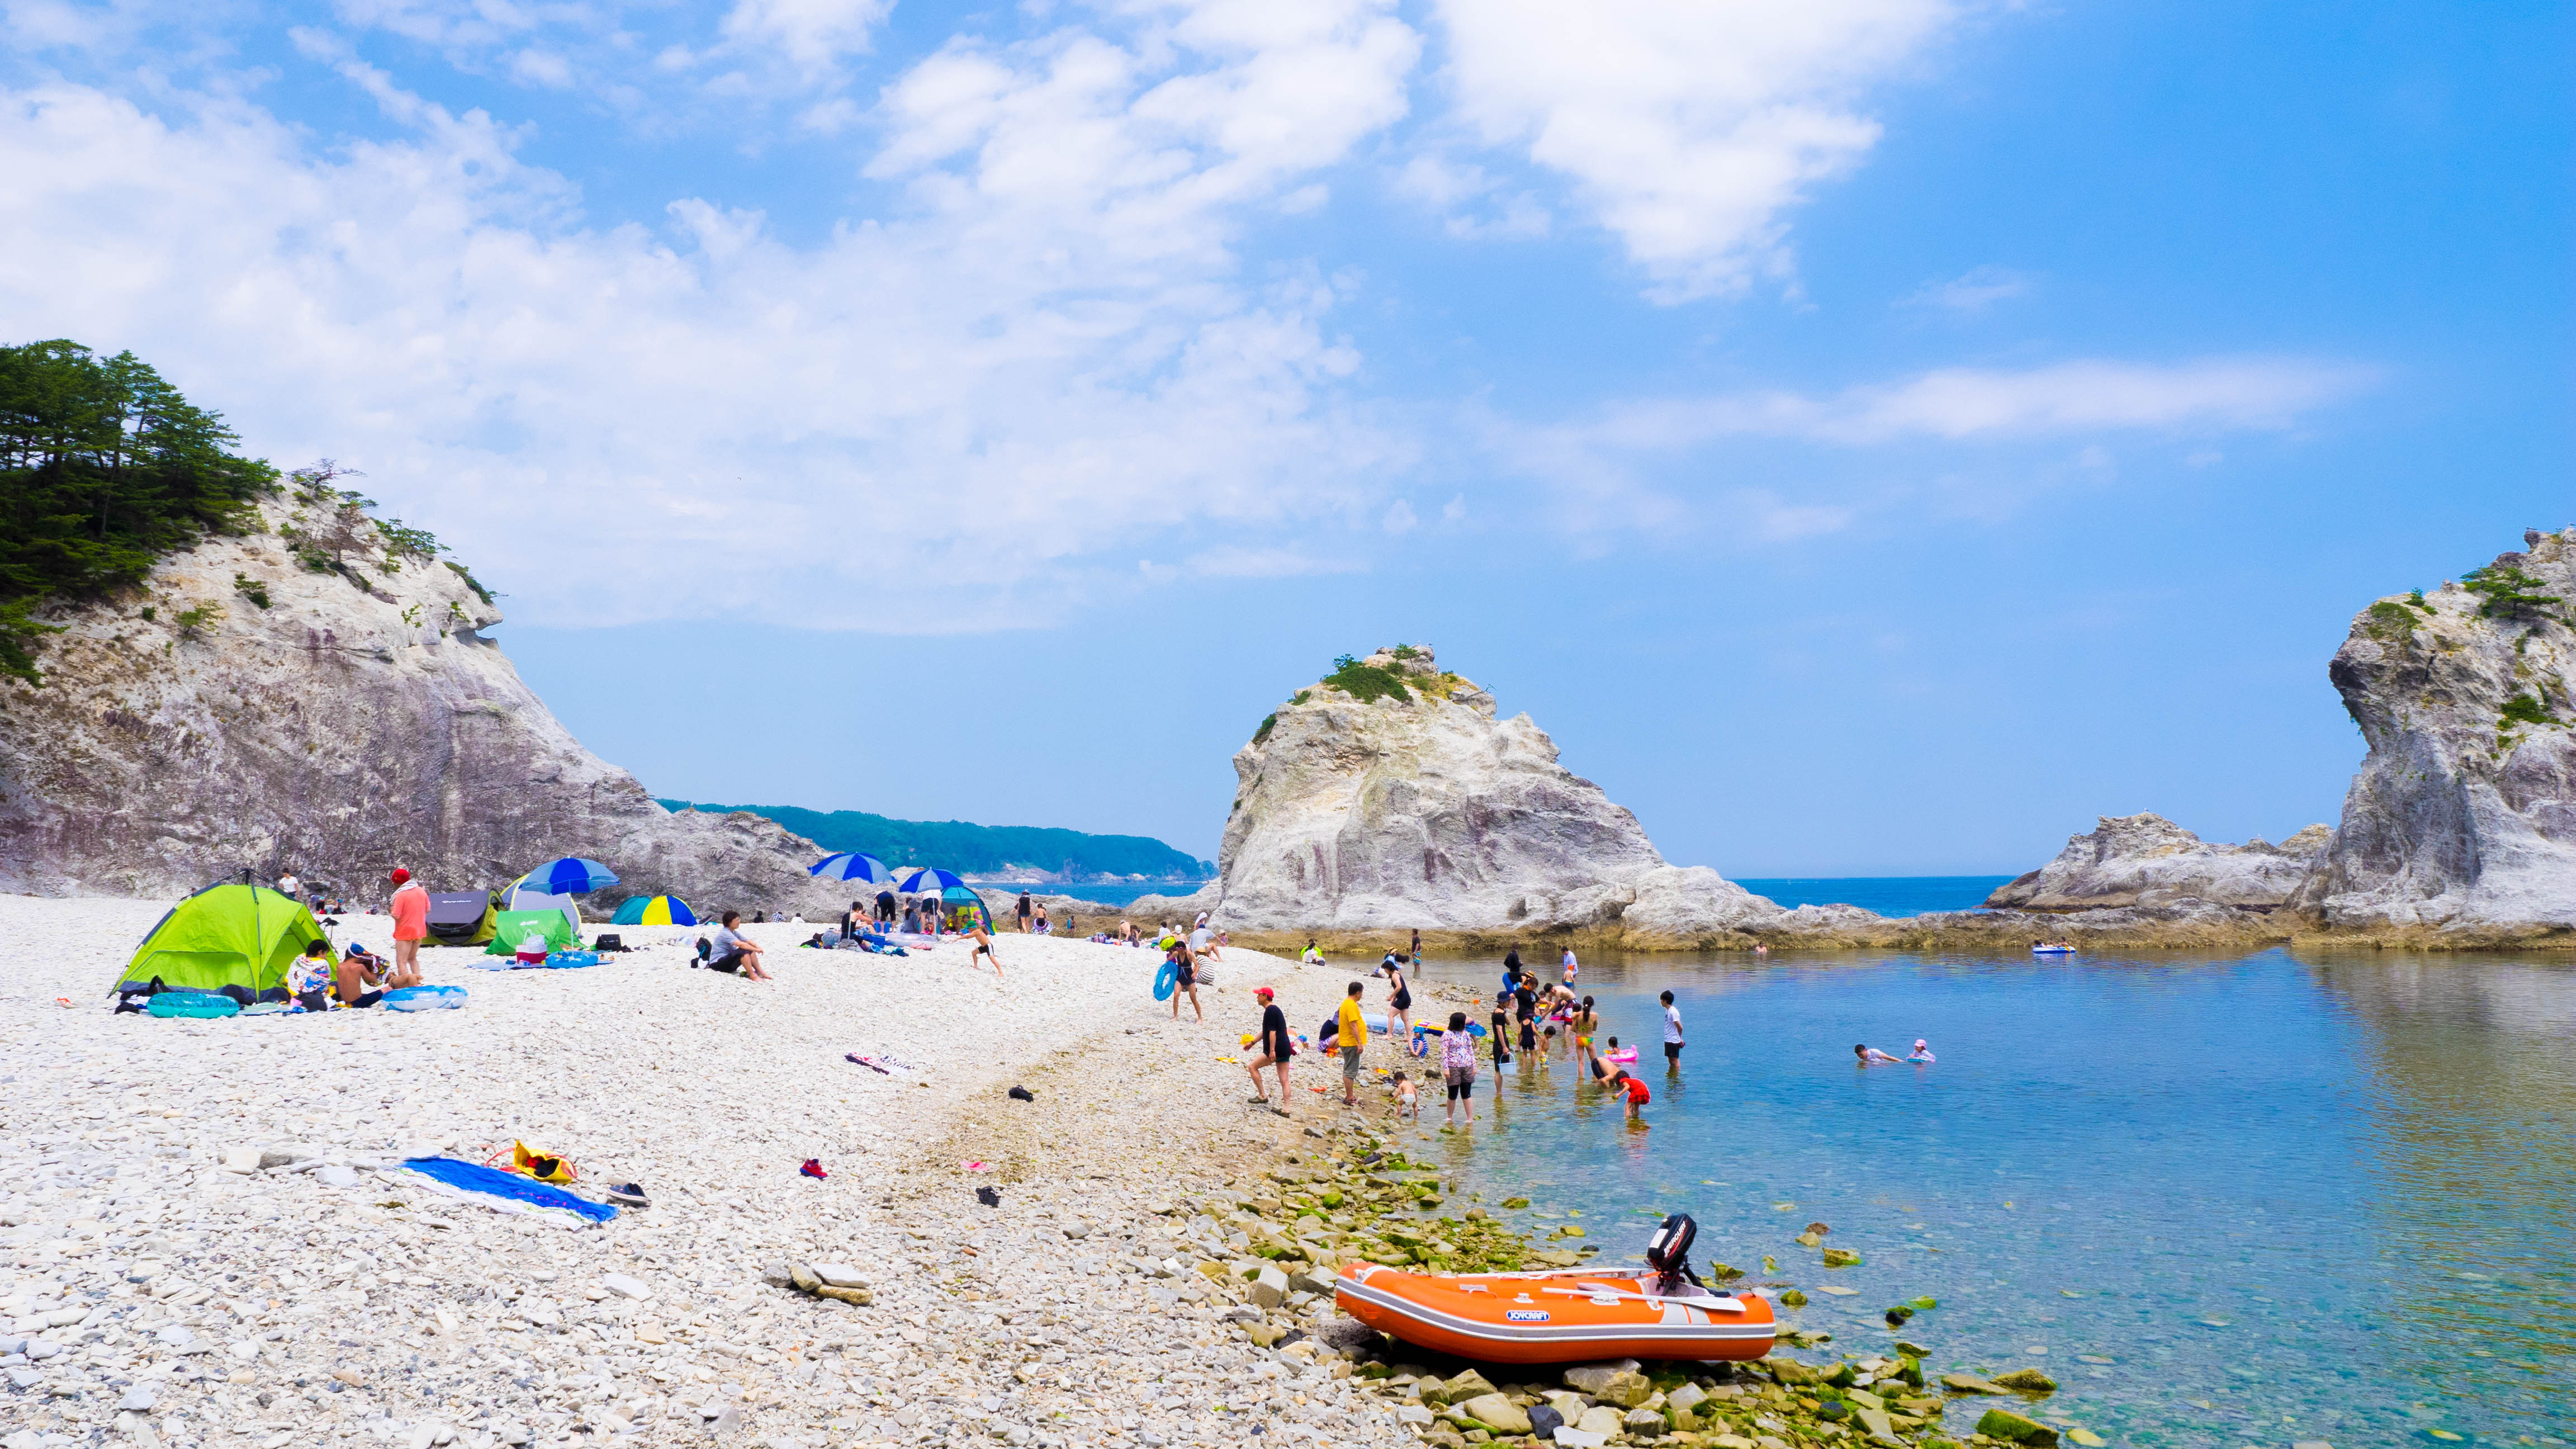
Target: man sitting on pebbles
{"x":735,"y":951}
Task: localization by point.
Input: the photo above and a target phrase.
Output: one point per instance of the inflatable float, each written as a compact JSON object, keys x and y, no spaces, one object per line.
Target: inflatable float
{"x":2052,"y":950}
{"x":1572,"y":1316}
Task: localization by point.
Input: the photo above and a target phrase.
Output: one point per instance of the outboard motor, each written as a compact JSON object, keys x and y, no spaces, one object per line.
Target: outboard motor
{"x":1668,"y":1253}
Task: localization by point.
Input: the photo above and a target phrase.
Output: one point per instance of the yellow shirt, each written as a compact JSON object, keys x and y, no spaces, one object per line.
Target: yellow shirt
{"x":1354,"y":1026}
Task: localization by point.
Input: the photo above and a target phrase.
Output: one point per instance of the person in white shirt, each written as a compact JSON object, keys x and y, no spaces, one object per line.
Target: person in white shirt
{"x":291,"y":888}
{"x":1672,"y":1034}
{"x":1203,"y":942}
{"x":1572,"y":967}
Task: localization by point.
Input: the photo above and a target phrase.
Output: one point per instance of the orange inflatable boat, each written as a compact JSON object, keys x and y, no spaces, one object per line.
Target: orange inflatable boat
{"x":1563,"y":1317}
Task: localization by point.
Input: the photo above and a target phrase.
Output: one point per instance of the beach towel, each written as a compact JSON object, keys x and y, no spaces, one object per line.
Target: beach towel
{"x":502,"y":1192}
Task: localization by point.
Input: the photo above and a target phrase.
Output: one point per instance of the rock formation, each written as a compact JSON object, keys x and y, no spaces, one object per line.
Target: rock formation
{"x":242,"y":711}
{"x":1390,"y":797}
{"x":2461,"y":825}
{"x":2147,"y":860}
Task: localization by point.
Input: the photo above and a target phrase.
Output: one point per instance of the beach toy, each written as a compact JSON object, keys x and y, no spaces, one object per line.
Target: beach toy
{"x":561,"y":960}
{"x":976,"y":1166}
{"x":1623,"y":1054}
{"x":425,"y":998}
{"x":192,"y":1004}
{"x":1167,"y":981}
{"x":2052,"y":950}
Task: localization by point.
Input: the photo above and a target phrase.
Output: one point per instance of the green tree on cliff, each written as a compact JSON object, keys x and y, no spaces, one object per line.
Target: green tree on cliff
{"x":104,"y":467}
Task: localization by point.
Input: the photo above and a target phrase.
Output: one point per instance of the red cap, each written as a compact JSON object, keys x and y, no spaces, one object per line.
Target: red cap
{"x":1264,"y":992}
{"x":401,"y":875}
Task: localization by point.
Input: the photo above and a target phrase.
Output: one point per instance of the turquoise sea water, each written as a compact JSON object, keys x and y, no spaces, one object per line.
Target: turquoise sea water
{"x":1889,"y":895}
{"x":2225,"y":1202}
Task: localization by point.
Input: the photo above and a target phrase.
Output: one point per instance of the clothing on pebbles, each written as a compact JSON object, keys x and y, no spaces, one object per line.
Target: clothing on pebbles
{"x":199,"y":1246}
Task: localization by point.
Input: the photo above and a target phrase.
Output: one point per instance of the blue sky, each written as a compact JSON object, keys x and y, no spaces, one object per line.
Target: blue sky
{"x":1873,"y":436}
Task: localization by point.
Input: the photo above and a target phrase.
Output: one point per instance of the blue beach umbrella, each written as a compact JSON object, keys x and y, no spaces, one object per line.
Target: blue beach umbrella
{"x":931,"y":879}
{"x":570,"y":876}
{"x":851,"y":865}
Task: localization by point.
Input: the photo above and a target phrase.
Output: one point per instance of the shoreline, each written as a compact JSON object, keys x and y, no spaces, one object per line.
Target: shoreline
{"x":2006,"y":935}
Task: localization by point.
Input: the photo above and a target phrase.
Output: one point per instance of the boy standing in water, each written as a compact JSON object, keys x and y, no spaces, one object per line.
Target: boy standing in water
{"x":1672,"y":1035}
{"x":1350,"y":1034}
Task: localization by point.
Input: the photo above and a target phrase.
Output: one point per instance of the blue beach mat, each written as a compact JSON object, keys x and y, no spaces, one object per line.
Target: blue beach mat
{"x":505,"y":1192}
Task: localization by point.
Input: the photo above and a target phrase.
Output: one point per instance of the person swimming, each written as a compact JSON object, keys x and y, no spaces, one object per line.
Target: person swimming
{"x":1870,"y":1056}
{"x":1922,"y":1052}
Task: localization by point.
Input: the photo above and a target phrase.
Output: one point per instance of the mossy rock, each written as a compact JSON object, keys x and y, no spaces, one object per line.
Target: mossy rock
{"x":1516,"y":1202}
{"x":2012,"y":1428}
{"x":1794,"y":1298}
{"x":1841,"y":1258}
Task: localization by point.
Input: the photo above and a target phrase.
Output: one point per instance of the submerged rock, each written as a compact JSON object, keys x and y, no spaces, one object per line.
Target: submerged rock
{"x":2027,"y":1381}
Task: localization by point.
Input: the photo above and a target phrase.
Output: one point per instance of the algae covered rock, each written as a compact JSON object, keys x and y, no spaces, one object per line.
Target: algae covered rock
{"x":2012,"y":1428}
{"x":1841,"y":1258}
{"x":2027,"y":1381}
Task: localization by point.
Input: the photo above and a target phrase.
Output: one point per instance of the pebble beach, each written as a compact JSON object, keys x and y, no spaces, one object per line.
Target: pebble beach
{"x":152,"y":1288}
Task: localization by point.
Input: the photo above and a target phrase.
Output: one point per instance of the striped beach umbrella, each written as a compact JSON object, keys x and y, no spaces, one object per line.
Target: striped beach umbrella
{"x":929,"y":880}
{"x":851,"y":865}
{"x":655,"y":911}
{"x":569,"y":876}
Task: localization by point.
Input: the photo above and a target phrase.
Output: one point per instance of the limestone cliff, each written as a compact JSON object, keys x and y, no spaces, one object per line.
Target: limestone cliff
{"x":1390,"y":797}
{"x":2132,"y":860}
{"x":2461,"y":825}
{"x":242,"y":710}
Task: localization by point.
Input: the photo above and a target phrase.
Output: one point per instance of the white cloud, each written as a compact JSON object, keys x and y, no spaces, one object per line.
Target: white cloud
{"x":1687,"y":127}
{"x":1619,"y":468}
{"x":954,"y":417}
{"x":1971,"y":291}
{"x":1400,"y":517}
{"x":1229,"y":562}
{"x":810,"y":35}
{"x":1963,"y":404}
{"x":1455,"y":510}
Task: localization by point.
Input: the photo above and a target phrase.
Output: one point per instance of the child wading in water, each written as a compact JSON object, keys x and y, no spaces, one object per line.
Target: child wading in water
{"x":1458,"y":1066}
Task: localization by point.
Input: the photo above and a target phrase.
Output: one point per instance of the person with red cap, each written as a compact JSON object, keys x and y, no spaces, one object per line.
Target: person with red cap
{"x":1276,"y":1049}
{"x":411,"y":927}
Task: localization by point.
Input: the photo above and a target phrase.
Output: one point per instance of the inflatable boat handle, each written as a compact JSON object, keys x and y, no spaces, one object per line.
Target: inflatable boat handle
{"x":1604,"y":1290}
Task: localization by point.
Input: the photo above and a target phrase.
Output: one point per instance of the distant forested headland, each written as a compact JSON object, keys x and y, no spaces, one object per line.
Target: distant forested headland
{"x":1068,"y":855}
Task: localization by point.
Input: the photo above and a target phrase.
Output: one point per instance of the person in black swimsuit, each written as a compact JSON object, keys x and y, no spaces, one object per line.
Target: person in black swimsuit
{"x":1276,"y":1049}
{"x":1188,"y":985}
{"x":1525,"y":1006}
{"x":1400,"y":1001}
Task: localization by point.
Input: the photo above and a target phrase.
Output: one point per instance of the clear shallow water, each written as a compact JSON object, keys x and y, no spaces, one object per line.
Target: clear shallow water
{"x":2290,"y":1198}
{"x":1888,"y":895}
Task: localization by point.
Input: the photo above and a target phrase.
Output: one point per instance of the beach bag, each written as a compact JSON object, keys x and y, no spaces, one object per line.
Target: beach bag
{"x":424,"y":998}
{"x":193,"y":1004}
{"x":609,"y":941}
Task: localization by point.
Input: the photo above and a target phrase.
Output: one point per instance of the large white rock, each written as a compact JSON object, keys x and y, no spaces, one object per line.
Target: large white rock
{"x":2462,"y":821}
{"x":2147,"y":860}
{"x":1427,"y":811}
{"x":340,"y":730}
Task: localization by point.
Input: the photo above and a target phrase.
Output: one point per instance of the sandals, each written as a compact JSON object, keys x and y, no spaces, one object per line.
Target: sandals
{"x":627,"y":1194}
{"x":1256,"y":1101}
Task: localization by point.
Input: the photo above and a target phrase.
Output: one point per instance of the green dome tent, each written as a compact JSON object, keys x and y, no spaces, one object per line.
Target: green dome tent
{"x":224,"y":935}
{"x":511,"y":927}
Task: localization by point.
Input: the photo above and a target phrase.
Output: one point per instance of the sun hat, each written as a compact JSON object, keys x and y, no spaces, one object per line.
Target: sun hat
{"x":401,"y":875}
